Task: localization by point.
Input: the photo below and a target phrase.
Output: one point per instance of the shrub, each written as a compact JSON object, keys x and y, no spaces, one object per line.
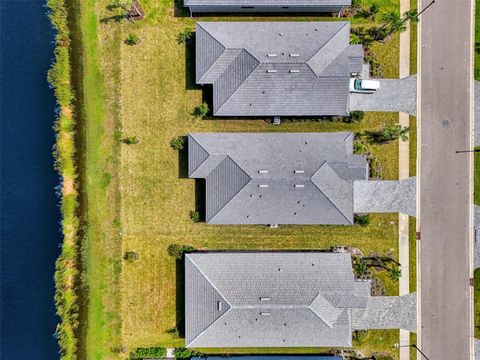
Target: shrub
{"x":147,"y":353}
{"x":177,"y":143}
{"x":376,"y":69}
{"x":131,"y":256}
{"x":355,"y":116}
{"x":185,"y":36}
{"x":201,"y":111}
{"x":132,"y":39}
{"x":389,"y":133}
{"x":195,"y":216}
{"x":362,"y":220}
{"x":359,"y":335}
{"x":360,"y":267}
{"x":182,"y":353}
{"x":394,"y":273}
{"x":355,"y":39}
{"x":177,"y":251}
{"x":359,"y":147}
{"x":130,"y":140}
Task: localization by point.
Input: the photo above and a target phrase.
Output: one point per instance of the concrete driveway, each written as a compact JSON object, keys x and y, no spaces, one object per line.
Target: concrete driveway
{"x":396,"y":95}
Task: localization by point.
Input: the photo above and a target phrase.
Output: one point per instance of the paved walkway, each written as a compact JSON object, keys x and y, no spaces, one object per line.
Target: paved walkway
{"x":403,"y":172}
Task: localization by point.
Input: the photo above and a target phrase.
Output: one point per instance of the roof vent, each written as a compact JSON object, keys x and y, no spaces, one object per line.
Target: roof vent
{"x":219,"y":305}
{"x":294,"y":55}
{"x":271,"y":71}
{"x":271,"y":55}
{"x":299,"y":171}
{"x":294,"y":71}
{"x":263,"y":186}
{"x":265,"y":313}
{"x":265,"y":299}
{"x":280,"y":34}
{"x":263,"y":171}
{"x":299,"y":185}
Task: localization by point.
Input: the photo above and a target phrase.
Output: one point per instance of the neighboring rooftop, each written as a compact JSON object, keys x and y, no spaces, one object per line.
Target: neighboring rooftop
{"x":276,"y":178}
{"x":280,"y":299}
{"x":277,"y":68}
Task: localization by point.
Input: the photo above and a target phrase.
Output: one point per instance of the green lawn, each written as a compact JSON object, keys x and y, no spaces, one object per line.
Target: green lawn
{"x":137,"y":199}
{"x":476,"y":302}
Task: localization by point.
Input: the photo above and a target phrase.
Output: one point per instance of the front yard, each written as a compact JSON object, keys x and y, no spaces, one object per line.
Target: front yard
{"x":149,"y":92}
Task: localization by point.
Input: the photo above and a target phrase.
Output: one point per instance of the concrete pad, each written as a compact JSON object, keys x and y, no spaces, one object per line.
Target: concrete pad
{"x":396,"y":95}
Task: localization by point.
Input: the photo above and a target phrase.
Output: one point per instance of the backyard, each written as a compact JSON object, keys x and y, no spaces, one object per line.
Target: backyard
{"x":139,"y":200}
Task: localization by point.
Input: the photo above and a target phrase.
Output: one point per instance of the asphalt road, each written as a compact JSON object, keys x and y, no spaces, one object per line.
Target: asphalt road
{"x":445,"y":103}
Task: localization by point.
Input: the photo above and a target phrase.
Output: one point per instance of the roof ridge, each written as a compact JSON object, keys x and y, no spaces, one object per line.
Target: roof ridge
{"x":243,"y":81}
{"x":216,"y":289}
{"x":200,"y":145}
{"x":239,"y":190}
{"x":331,"y":202}
{"x":214,"y":39}
{"x":341,"y":28}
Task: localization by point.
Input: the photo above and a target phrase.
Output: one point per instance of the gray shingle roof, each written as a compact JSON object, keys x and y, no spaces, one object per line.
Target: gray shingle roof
{"x":277,"y":68}
{"x":276,"y":178}
{"x":309,"y":3}
{"x":270,"y":299}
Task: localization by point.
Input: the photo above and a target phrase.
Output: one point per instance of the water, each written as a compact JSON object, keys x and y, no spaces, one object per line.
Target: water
{"x":29,"y":214}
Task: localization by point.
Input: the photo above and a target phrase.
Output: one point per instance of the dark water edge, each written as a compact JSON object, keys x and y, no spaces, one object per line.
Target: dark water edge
{"x":30,"y":215}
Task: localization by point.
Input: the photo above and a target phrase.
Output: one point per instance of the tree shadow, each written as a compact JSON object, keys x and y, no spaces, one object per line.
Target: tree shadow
{"x":179,"y":10}
{"x":200,"y":198}
{"x":180,"y":298}
{"x":183,"y":160}
{"x":113,"y":18}
{"x":190,"y":81}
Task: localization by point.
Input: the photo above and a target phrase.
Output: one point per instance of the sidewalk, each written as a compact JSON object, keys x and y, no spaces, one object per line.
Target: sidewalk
{"x":403,"y":172}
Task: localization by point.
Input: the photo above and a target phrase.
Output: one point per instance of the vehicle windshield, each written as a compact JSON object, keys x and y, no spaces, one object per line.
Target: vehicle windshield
{"x":357,"y":84}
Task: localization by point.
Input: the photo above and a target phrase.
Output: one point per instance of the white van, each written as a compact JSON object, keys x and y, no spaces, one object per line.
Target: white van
{"x":364,"y":86}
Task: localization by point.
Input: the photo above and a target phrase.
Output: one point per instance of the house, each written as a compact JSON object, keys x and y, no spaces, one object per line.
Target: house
{"x":277,"y":68}
{"x":283,"y":299}
{"x":276,"y":178}
{"x":299,"y":6}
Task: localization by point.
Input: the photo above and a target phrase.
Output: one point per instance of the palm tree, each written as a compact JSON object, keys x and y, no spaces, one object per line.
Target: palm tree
{"x":411,"y":15}
{"x":395,"y":273}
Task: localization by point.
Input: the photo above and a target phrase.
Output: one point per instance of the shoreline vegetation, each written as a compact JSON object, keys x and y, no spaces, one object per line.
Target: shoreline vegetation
{"x":67,"y":265}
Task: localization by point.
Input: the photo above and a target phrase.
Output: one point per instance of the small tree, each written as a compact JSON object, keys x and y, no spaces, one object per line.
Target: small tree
{"x":177,"y":251}
{"x":183,"y":353}
{"x":132,"y":39}
{"x":201,"y":111}
{"x":195,"y":216}
{"x":360,"y":267}
{"x":131,"y":256}
{"x":355,"y":116}
{"x":362,"y":220}
{"x":389,"y":133}
{"x":394,"y":273}
{"x":184,"y":36}
{"x":123,"y":5}
{"x":130,"y":140}
{"x":358,"y":147}
{"x":177,"y":143}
